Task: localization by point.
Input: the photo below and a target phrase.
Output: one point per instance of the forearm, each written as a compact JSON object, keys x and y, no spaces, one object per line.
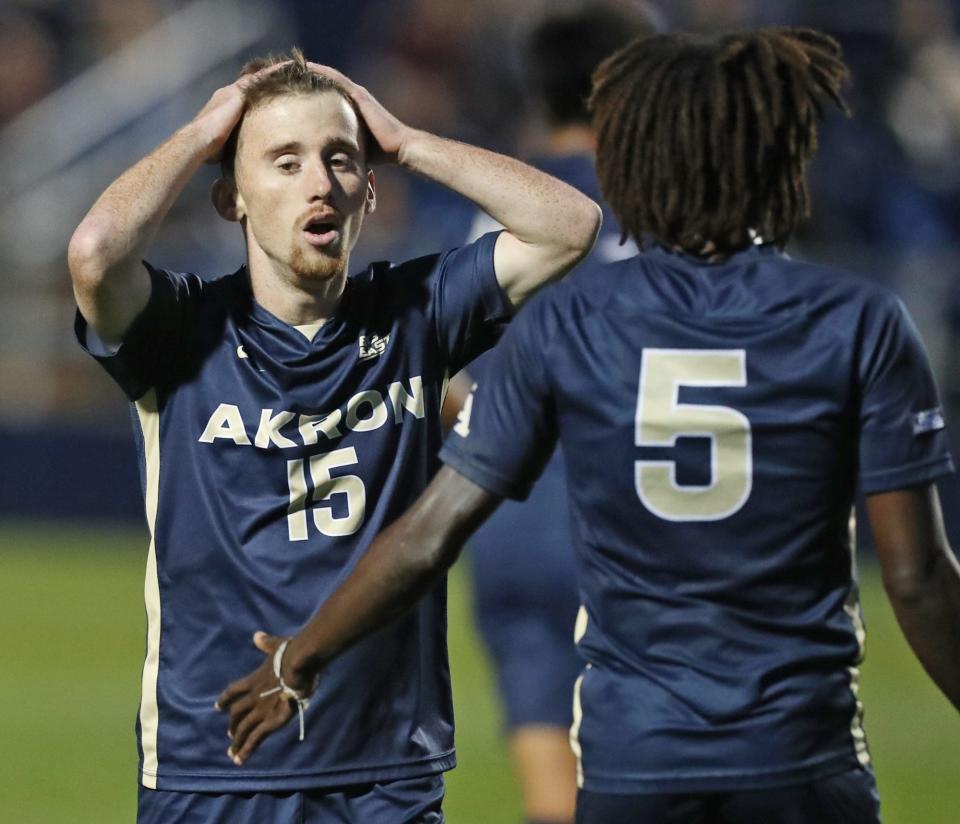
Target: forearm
{"x":534,"y":207}
{"x":391,"y":577}
{"x":928,"y":611}
{"x":126,"y":216}
{"x":403,"y":563}
{"x":106,"y":249}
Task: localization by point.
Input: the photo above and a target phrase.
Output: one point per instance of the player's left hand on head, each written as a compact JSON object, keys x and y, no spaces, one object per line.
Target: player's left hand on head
{"x":388,"y":132}
{"x":258,"y":704}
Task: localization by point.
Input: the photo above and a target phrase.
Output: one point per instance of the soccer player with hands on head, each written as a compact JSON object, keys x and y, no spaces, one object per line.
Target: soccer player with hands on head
{"x":285,"y":414}
{"x":717,"y":404}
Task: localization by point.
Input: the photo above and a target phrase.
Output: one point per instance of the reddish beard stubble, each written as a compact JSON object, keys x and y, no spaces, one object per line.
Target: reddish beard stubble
{"x":316,"y":264}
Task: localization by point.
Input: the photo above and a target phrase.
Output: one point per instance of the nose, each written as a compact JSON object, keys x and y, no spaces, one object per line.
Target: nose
{"x":316,"y":180}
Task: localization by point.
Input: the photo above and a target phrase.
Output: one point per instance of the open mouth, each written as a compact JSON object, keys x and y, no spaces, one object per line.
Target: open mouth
{"x":321,"y":232}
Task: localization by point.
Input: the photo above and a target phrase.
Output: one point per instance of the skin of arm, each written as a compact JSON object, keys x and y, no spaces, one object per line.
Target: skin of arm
{"x":109,"y":282}
{"x":922,"y":579}
{"x":549,"y":225}
{"x":402,"y":564}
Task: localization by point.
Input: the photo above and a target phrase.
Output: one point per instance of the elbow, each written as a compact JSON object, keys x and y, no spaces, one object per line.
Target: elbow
{"x":909,"y":585}
{"x":589,"y":221}
{"x":86,"y":257}
{"x":576,"y":239}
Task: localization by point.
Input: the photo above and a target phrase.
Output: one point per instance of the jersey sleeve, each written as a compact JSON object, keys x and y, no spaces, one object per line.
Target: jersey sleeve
{"x":153,"y":345}
{"x":507,"y":429}
{"x":470,"y":309}
{"x":902,"y":430}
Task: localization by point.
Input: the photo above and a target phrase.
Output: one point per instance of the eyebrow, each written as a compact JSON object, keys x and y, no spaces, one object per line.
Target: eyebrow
{"x":343,"y":143}
{"x":283,"y":148}
{"x":296,"y":146}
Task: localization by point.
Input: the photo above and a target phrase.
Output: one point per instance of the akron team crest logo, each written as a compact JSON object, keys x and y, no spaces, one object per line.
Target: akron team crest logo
{"x":372,"y":347}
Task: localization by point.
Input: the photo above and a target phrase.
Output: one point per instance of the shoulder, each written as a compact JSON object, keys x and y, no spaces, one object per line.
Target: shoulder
{"x":851,"y":295}
{"x":587,"y":290}
{"x":592,"y":285}
{"x":387,"y":285}
{"x":189,"y":284}
{"x":817,"y":277}
{"x":380,"y":273}
{"x":191,"y":306}
{"x":415,"y":281}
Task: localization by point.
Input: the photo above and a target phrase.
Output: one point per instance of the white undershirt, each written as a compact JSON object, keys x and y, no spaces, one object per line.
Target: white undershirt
{"x":309,"y":330}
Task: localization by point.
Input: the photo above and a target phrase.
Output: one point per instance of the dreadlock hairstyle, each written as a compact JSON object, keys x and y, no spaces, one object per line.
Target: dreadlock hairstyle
{"x":295,"y":77}
{"x":703,"y":144}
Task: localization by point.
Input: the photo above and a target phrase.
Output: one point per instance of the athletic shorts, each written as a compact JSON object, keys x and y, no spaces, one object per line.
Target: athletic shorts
{"x":408,"y":801}
{"x":526,"y":601}
{"x":846,"y":798}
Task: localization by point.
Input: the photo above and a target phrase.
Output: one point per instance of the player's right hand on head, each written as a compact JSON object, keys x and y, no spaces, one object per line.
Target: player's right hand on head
{"x":222,"y":112}
{"x":218,"y":118}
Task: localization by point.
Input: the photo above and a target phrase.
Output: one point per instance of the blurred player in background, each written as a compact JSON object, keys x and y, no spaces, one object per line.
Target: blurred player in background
{"x":717,"y":403}
{"x":524,"y":580}
{"x":286,"y":413}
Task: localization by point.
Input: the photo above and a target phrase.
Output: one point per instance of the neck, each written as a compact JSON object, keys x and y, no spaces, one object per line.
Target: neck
{"x":294,"y":299}
{"x":573,"y":138}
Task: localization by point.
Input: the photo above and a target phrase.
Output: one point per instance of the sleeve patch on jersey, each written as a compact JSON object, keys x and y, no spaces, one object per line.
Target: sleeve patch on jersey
{"x":929,"y":420}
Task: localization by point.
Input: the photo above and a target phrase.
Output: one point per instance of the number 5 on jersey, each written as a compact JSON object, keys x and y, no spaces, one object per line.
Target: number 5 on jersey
{"x":661,"y":419}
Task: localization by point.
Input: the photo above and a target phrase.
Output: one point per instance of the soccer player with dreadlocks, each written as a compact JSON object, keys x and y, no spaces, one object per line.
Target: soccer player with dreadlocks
{"x":717,"y":404}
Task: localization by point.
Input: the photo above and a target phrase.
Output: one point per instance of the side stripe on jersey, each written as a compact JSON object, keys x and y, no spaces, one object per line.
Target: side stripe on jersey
{"x":579,"y":630}
{"x":575,"y":729}
{"x":852,"y":608}
{"x":149,"y":714}
{"x":856,"y":723}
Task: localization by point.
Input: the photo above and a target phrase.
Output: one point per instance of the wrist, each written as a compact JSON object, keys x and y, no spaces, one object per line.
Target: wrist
{"x":411,"y":148}
{"x":201,"y":142}
{"x":299,"y":667}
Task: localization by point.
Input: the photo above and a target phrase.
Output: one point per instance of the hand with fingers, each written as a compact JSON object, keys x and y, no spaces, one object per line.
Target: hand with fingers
{"x":222,"y":112}
{"x":388,"y":132}
{"x":264,"y":700}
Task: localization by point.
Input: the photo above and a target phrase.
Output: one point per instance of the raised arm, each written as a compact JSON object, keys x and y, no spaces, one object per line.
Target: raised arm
{"x":402,"y":564}
{"x":922,"y":579}
{"x":549,"y":225}
{"x":109,"y":282}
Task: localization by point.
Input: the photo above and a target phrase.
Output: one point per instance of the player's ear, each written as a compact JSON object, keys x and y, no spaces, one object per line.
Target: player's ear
{"x":227,"y":199}
{"x":370,"y":203}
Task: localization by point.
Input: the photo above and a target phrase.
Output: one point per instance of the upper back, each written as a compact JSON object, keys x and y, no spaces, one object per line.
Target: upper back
{"x":711,"y":417}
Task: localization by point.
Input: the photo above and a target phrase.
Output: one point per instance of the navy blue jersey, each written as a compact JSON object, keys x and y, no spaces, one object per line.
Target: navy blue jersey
{"x":714,"y":419}
{"x":270,"y":463}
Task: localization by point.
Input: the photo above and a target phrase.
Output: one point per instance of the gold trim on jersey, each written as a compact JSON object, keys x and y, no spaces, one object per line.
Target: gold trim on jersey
{"x":149,"y":712}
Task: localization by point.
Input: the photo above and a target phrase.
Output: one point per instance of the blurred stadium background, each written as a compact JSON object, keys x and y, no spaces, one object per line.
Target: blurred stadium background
{"x":89,"y":86}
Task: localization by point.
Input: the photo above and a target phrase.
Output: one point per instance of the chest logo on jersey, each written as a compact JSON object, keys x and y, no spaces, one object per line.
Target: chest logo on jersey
{"x":363,"y":412}
{"x":373,"y":346}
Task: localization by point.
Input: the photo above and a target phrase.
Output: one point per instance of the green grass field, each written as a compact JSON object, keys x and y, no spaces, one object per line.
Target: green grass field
{"x":71,"y":623}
